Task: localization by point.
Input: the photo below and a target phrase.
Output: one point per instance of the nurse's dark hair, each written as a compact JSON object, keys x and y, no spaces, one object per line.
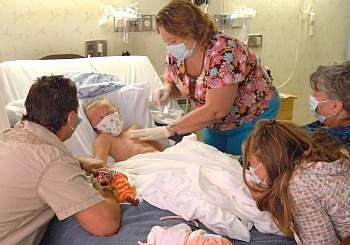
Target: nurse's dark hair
{"x":281,"y":147}
{"x":334,"y":80}
{"x":184,"y":19}
{"x":50,"y":100}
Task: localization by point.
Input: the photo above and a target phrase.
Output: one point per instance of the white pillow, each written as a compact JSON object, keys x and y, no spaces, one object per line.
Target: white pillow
{"x":15,"y":110}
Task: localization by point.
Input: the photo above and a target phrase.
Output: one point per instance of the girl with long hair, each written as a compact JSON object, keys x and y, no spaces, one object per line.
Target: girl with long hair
{"x":302,"y":180}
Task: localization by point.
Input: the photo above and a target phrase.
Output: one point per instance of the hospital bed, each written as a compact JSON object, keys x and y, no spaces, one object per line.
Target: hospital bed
{"x":133,"y":100}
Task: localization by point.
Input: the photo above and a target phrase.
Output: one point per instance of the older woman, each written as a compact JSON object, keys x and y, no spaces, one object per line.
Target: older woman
{"x":330,"y":101}
{"x":227,"y":85}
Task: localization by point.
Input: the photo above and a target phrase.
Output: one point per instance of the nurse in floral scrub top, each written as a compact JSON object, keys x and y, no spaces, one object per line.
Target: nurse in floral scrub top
{"x":227,"y":85}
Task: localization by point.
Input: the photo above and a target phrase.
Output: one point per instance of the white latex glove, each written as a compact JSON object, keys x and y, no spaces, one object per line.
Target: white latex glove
{"x":161,"y":96}
{"x":149,"y":133}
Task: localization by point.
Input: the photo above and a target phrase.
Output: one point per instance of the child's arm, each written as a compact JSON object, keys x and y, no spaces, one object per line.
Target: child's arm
{"x":91,"y":165}
{"x":102,"y":146}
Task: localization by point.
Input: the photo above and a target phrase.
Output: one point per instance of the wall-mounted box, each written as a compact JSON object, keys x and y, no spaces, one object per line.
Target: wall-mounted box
{"x":144,"y":23}
{"x":255,"y":40}
{"x":225,"y":21}
{"x":96,"y":48}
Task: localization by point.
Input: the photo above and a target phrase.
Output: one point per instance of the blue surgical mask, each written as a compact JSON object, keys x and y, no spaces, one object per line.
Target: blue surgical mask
{"x":313,"y":104}
{"x":180,"y":51}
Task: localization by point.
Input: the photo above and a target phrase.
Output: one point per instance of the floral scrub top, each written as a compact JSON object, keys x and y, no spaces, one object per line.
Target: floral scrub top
{"x":226,"y":61}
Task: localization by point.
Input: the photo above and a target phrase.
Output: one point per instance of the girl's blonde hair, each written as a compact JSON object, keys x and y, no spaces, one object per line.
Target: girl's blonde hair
{"x":184,"y":19}
{"x":281,"y":146}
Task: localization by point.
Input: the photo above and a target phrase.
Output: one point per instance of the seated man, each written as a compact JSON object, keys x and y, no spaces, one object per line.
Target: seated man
{"x":112,"y":139}
{"x":40,"y":178}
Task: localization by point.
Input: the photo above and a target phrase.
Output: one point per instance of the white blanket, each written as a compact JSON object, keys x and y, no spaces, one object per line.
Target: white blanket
{"x":198,"y":182}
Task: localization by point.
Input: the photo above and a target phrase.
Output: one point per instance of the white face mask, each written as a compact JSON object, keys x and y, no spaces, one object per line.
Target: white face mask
{"x":256,"y":178}
{"x":313,"y":104}
{"x":180,"y":51}
{"x":111,"y":124}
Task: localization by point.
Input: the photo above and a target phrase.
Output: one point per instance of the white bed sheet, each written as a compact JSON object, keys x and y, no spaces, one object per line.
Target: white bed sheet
{"x":198,"y":182}
{"x":17,"y":76}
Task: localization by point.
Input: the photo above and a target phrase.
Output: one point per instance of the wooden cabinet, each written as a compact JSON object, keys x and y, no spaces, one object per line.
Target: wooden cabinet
{"x":286,"y":106}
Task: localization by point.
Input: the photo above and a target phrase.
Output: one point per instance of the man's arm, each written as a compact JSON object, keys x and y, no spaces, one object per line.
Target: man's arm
{"x":102,"y":219}
{"x":64,"y":188}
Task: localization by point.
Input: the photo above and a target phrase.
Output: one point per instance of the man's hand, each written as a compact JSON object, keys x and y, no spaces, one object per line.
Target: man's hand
{"x":149,"y":133}
{"x":92,"y":165}
{"x":106,"y":192}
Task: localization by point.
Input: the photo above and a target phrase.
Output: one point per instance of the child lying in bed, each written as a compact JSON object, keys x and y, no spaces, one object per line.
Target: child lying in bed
{"x":112,"y":139}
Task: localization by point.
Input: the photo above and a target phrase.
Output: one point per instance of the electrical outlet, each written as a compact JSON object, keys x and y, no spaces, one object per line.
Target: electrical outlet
{"x":255,"y":40}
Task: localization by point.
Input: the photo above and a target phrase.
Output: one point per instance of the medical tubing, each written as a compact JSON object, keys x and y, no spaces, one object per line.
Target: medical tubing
{"x":302,"y":10}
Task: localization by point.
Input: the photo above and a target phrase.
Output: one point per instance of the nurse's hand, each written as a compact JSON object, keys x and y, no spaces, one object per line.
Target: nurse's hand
{"x":150,"y":133}
{"x":161,"y":96}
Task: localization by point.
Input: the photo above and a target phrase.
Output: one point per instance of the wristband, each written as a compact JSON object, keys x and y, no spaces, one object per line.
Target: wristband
{"x":172,"y":128}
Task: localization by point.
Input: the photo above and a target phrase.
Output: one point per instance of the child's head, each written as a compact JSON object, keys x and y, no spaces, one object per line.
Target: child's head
{"x":274,"y":149}
{"x":98,"y":109}
{"x":104,"y":117}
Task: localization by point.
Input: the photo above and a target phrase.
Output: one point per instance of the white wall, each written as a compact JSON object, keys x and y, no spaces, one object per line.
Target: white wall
{"x":32,"y":29}
{"x":278,"y":21}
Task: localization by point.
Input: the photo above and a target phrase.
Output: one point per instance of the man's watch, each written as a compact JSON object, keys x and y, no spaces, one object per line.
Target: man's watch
{"x":172,"y":128}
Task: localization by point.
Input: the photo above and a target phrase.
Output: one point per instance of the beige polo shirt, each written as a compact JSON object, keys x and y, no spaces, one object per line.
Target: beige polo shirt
{"x":38,"y":178}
